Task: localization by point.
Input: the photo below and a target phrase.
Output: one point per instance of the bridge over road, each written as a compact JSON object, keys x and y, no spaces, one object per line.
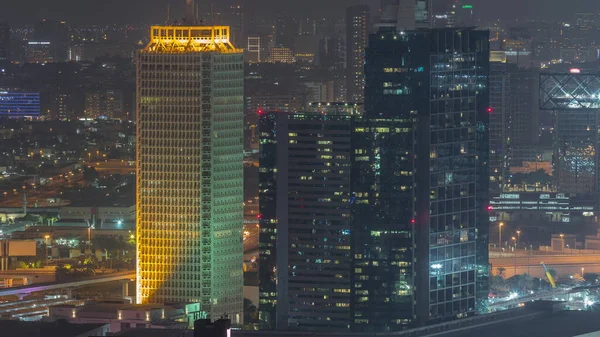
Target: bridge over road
{"x":563,"y":264}
{"x":29,"y":289}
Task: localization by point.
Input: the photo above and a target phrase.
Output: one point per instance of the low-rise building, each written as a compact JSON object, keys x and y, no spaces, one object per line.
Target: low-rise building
{"x":121,"y":316}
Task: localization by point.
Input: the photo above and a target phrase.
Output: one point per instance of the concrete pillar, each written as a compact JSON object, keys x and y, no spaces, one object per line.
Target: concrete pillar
{"x":125,"y":285}
{"x":69,"y":292}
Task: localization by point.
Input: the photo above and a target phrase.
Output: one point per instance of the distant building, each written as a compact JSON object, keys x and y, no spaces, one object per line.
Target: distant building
{"x":64,"y":106}
{"x":286,"y":28}
{"x":103,"y":217}
{"x":104,"y":103}
{"x":350,"y":108}
{"x":89,"y":51}
{"x":357,"y":35}
{"x":57,"y":33}
{"x":306,"y":48}
{"x":332,"y":53}
{"x":281,"y":55}
{"x":253,"y":51}
{"x":268,"y":101}
{"x":404,"y":14}
{"x":572,"y":98}
{"x":4,"y":41}
{"x":319,"y":91}
{"x":19,"y":104}
{"x":38,"y":52}
{"x":514,"y":120}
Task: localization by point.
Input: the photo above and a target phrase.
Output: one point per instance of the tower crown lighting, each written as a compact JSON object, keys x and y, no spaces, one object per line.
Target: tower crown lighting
{"x":182,"y":39}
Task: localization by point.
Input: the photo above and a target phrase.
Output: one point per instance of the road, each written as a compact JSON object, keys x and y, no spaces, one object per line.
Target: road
{"x":531,"y":264}
{"x":112,"y":166}
{"x":127,"y":275}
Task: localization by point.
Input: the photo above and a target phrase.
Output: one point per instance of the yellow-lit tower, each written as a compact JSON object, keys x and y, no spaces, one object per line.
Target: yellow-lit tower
{"x":190,"y":83}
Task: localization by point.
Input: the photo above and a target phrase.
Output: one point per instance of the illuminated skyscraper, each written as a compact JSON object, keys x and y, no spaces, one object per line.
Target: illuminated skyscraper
{"x":190,"y":168}
{"x":357,"y":34}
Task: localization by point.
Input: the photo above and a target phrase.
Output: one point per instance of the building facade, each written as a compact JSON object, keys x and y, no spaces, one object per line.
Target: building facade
{"x":4,"y":42}
{"x":190,"y":169}
{"x":443,"y":84}
{"x":382,"y":175}
{"x":305,"y":237}
{"x":514,"y":120}
{"x":357,"y":34}
{"x":19,"y":104}
{"x":573,"y":99}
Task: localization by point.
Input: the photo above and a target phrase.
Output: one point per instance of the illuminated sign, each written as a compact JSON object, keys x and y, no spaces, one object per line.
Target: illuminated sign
{"x":549,"y":202}
{"x":467,"y":6}
{"x":575,"y":71}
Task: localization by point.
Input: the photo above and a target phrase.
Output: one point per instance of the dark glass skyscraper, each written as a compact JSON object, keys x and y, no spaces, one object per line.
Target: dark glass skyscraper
{"x":305,"y":238}
{"x":439,"y":79}
{"x":382,"y":228}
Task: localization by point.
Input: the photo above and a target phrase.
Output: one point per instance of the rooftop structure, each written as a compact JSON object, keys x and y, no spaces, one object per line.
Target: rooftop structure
{"x":183,"y":39}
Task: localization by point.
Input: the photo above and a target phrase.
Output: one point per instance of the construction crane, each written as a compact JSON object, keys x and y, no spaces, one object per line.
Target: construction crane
{"x":549,"y":276}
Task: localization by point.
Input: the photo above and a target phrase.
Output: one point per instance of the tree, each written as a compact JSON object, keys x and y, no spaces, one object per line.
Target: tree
{"x":250,"y":311}
{"x":90,"y":174}
{"x":500,"y":271}
{"x":592,"y":278}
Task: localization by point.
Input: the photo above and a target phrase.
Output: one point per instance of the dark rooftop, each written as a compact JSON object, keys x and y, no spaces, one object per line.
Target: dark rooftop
{"x":46,"y":329}
{"x":156,"y":333}
{"x":559,"y":324}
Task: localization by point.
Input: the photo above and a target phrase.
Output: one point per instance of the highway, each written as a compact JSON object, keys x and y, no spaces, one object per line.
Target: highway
{"x":531,"y":264}
{"x":127,"y":275}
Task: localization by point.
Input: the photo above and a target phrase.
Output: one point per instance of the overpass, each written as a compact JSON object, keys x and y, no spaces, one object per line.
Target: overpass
{"x":25,"y":290}
{"x":530,"y":263}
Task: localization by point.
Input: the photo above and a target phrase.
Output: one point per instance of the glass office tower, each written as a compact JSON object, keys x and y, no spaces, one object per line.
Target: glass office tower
{"x":382,"y":227}
{"x":439,"y":78}
{"x":573,"y":99}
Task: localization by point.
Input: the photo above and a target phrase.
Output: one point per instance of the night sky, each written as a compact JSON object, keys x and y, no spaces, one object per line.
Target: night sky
{"x":152,"y":11}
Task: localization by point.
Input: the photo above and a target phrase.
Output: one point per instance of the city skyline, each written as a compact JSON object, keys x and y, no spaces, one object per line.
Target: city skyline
{"x":370,"y":167}
{"x":154,"y":11}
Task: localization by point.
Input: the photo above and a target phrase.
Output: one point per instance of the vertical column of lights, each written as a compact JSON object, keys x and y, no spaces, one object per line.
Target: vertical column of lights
{"x":190,"y":169}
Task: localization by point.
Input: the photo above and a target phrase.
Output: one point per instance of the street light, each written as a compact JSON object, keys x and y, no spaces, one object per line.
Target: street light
{"x":518,"y":237}
{"x":500,"y":234}
{"x":47,"y":237}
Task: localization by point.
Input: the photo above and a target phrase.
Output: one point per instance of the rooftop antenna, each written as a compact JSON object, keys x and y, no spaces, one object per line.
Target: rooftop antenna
{"x":212,"y":13}
{"x":168,"y":14}
{"x":189,"y":11}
